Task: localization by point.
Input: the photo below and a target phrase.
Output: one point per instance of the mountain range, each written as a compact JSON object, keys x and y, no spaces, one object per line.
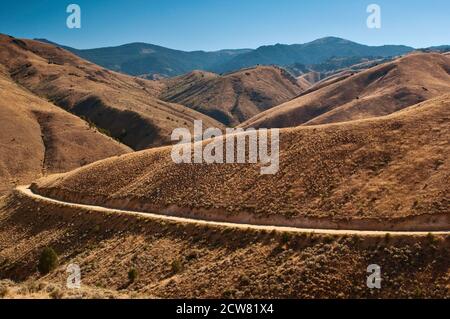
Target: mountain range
{"x":148,"y":60}
{"x":363,"y":172}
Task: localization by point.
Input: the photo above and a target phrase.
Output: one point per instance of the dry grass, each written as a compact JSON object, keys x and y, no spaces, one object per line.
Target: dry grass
{"x":378,"y":91}
{"x":235,"y":97}
{"x":210,"y":262}
{"x":123,"y":106}
{"x":37,"y":289}
{"x":385,"y":168}
{"x":38,"y":138}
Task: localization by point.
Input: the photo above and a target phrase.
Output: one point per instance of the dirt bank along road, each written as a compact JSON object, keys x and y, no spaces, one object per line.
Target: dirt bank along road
{"x":27,"y":191}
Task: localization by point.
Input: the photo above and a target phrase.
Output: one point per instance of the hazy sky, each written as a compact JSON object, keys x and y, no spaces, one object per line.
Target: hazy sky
{"x":219,"y":24}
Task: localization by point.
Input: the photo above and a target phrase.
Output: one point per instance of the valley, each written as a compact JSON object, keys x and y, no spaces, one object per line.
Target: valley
{"x":87,"y":171}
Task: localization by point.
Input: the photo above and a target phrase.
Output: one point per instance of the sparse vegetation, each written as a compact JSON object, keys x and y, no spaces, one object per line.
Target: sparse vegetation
{"x":132,"y":275}
{"x":384,"y":173}
{"x":176,"y":266}
{"x":241,"y":264}
{"x":4,"y":291}
{"x":285,"y":237}
{"x":317,"y":160}
{"x":48,"y":261}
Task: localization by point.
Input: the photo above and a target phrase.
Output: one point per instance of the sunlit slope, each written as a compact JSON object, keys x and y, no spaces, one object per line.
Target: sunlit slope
{"x":235,"y":97}
{"x":394,"y":166}
{"x":37,"y":137}
{"x":123,"y":106}
{"x":378,"y":91}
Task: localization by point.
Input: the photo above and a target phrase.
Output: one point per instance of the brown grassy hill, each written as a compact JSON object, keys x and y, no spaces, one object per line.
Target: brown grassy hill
{"x":303,"y":83}
{"x":121,"y":105}
{"x":37,"y":137}
{"x":235,"y":97}
{"x":379,"y":91}
{"x":310,"y":77}
{"x":380,"y":170}
{"x":176,"y":260}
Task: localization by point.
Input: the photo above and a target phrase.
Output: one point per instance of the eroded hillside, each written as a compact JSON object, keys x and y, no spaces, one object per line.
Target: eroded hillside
{"x":175,"y":260}
{"x":378,"y":91}
{"x":235,"y":97}
{"x":383,"y":169}
{"x":39,"y":138}
{"x":122,"y":106}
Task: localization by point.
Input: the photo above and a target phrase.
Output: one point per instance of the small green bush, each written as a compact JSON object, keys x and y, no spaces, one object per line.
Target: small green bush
{"x":48,"y":261}
{"x":193,"y":254}
{"x":387,"y":237}
{"x":244,"y":280}
{"x":177,"y":266}
{"x":132,"y":275}
{"x":285,"y":238}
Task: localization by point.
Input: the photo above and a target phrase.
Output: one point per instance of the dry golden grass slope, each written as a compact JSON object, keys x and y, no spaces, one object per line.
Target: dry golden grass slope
{"x":121,"y":105}
{"x":176,"y":260}
{"x":39,"y":138}
{"x":378,"y":91}
{"x":368,"y":172}
{"x":235,"y":97}
{"x":309,"y":78}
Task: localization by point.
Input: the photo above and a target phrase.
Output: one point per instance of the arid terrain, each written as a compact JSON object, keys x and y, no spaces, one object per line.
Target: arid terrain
{"x":123,"y":107}
{"x":235,"y":97}
{"x":39,"y":138}
{"x":180,"y":260}
{"x":378,"y":91}
{"x":363,"y":178}
{"x":386,"y":168}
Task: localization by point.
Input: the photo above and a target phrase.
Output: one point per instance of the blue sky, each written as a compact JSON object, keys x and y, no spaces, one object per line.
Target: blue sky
{"x":220,"y":24}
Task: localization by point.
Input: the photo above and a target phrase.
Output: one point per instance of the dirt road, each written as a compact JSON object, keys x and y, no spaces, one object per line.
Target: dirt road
{"x":26,"y":191}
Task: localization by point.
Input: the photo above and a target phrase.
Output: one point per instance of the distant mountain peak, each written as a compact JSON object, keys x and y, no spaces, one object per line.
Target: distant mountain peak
{"x":331,"y":40}
{"x":139,"y":58}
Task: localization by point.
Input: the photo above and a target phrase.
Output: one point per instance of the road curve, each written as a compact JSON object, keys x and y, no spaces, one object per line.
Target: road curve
{"x":25,"y":190}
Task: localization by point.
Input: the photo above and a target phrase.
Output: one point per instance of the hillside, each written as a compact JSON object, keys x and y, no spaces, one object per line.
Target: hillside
{"x":378,"y":91}
{"x":38,"y":138}
{"x":235,"y":97}
{"x":178,"y":260}
{"x":370,"y":174}
{"x":122,"y":106}
{"x":307,"y":76}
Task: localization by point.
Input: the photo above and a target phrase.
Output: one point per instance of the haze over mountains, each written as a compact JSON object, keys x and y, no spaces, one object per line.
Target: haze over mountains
{"x":141,"y":59}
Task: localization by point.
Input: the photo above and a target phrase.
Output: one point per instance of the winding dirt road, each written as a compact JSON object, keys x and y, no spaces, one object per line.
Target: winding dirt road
{"x":27,"y":191}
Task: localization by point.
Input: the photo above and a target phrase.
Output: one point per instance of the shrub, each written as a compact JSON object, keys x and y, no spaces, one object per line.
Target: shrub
{"x":193,"y":254}
{"x":432,"y":238}
{"x":387,"y":237}
{"x":57,"y":294}
{"x":48,"y":261}
{"x":4,"y":291}
{"x":132,"y":275}
{"x":176,"y":266}
{"x":228,"y":294}
{"x":285,"y":238}
{"x":328,"y":239}
{"x":244,"y":280}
